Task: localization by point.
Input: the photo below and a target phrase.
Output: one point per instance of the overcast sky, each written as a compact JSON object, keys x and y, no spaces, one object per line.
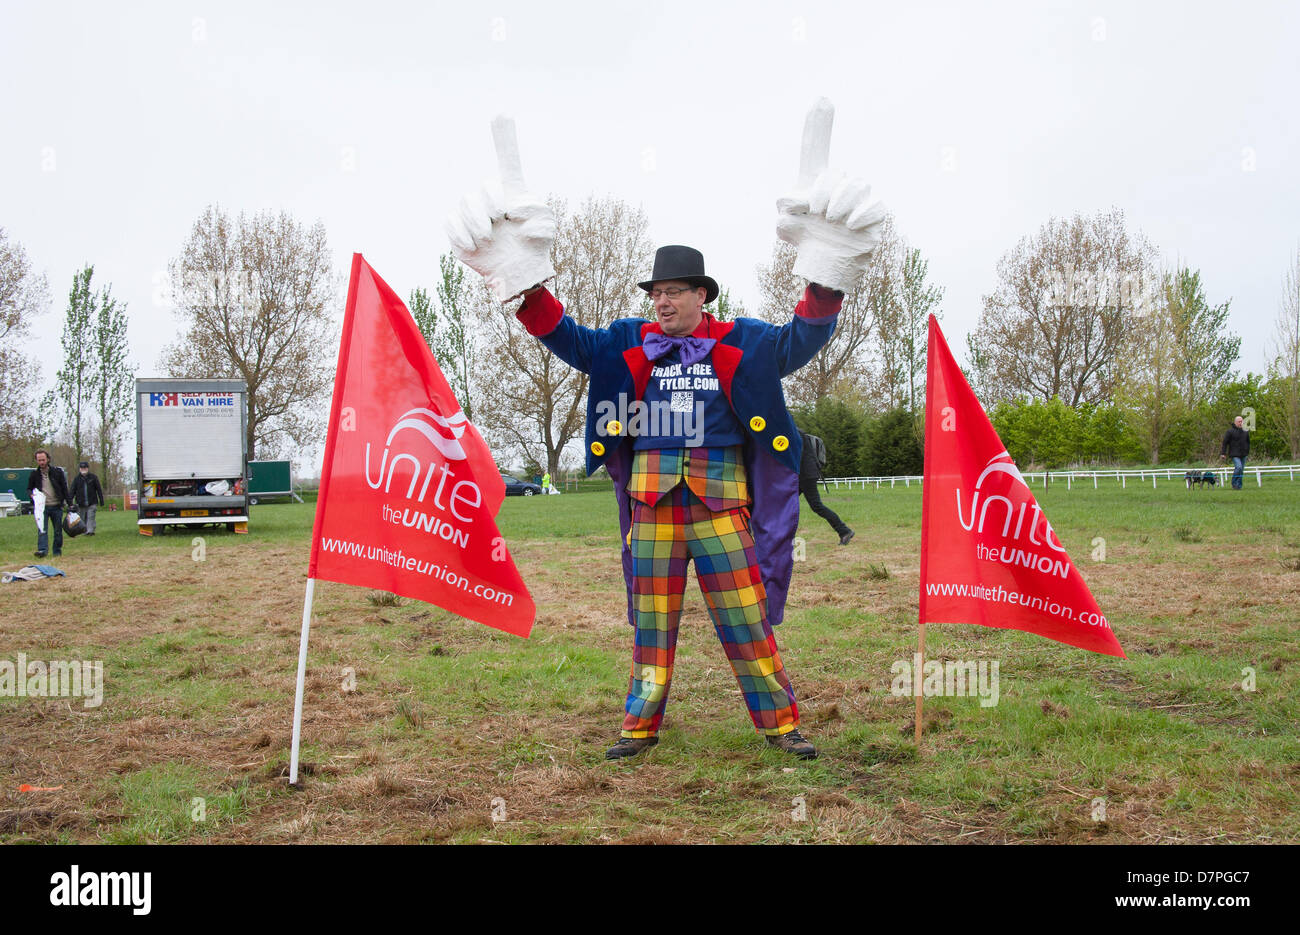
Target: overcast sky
{"x":975,"y":124}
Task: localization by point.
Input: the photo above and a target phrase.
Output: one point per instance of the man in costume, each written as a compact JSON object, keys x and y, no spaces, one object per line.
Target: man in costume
{"x":687,"y":415}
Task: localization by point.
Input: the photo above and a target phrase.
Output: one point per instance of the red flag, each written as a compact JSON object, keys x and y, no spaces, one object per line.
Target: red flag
{"x":409,"y":488}
{"x":988,"y":554}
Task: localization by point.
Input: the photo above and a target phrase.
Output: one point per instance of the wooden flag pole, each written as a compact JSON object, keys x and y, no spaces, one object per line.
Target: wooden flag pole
{"x":919,"y":682}
{"x":302,"y":674}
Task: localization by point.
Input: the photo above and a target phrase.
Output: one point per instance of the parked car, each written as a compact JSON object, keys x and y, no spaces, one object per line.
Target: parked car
{"x":520,"y":488}
{"x":9,"y":504}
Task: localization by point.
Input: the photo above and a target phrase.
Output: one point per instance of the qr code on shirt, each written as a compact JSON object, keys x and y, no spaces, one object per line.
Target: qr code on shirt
{"x":682,"y":402}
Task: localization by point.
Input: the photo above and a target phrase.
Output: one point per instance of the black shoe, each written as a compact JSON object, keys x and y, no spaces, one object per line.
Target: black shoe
{"x":794,"y":742}
{"x":58,"y":554}
{"x":39,"y":554}
{"x":629,"y":746}
{"x":846,"y":536}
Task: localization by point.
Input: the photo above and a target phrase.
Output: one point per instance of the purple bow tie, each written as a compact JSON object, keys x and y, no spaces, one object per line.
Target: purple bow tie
{"x":692,"y":349}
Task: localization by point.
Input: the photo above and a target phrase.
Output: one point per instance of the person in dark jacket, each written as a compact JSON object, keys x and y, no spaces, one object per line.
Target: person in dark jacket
{"x":88,"y":495}
{"x":809,"y":474}
{"x":1236,"y":445}
{"x":51,"y":481}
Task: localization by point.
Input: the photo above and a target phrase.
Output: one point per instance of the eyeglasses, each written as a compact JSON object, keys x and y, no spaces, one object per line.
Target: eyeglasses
{"x":672,"y":291}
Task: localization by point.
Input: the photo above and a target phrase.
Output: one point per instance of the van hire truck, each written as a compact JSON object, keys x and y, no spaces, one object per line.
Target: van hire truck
{"x":192,"y":453}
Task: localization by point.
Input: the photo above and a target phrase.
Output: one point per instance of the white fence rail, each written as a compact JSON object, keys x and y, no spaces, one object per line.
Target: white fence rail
{"x":1072,"y":477}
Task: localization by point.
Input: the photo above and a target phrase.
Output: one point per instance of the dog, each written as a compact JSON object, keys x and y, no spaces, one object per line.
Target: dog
{"x":1200,"y":477}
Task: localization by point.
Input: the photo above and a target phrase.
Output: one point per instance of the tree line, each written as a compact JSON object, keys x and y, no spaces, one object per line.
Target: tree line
{"x":1090,"y":351}
{"x":90,"y":406}
{"x":254,"y":297}
{"x":1086,"y":351}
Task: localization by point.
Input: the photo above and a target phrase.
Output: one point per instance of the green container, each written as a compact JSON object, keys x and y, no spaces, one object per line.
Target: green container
{"x":15,"y":480}
{"x":269,"y":479}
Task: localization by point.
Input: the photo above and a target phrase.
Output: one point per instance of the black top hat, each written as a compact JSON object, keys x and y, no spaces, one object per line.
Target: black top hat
{"x":682,"y":263}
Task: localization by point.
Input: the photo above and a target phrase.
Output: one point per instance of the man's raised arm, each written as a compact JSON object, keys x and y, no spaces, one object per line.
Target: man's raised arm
{"x":834,"y":225}
{"x":503,"y":232}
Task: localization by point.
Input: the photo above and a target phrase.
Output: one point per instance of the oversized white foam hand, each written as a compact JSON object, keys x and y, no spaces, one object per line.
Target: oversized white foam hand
{"x":829,"y":217}
{"x":504,"y":233}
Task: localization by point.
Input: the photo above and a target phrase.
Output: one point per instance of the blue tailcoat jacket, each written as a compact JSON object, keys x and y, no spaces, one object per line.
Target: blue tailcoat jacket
{"x":750,"y":358}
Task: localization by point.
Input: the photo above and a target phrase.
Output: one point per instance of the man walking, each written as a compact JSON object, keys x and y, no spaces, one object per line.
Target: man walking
{"x":53,"y":485}
{"x":1236,"y":445}
{"x":687,"y":415}
{"x":88,"y":495}
{"x":810,"y":472}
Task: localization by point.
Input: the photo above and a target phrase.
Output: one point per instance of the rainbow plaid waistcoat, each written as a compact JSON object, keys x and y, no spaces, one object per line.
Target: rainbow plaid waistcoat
{"x":715,"y":475}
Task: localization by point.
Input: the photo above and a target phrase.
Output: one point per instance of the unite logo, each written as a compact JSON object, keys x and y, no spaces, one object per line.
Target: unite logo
{"x":444,"y":434}
{"x":1002,"y":464}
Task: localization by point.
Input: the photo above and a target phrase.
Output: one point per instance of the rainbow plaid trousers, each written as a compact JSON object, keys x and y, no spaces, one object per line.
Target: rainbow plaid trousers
{"x":664,"y":538}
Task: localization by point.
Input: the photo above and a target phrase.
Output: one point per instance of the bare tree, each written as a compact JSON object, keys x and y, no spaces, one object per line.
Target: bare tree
{"x":1206,"y":351}
{"x":528,"y":399}
{"x":916,"y":299}
{"x":254,"y":297}
{"x":456,"y":347}
{"x":1284,"y":414}
{"x":448,"y":328}
{"x":843,"y":368}
{"x":23,"y":297}
{"x":114,"y":379}
{"x":1148,"y":388}
{"x":1065,"y":302}
{"x":76,"y":378}
{"x":425,"y":314}
{"x":725,"y":308}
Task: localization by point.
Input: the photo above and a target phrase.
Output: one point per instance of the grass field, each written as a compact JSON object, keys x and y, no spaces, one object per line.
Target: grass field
{"x":458,"y":733}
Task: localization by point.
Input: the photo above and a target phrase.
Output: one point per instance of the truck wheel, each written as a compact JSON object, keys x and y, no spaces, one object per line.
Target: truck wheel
{"x":252,"y":501}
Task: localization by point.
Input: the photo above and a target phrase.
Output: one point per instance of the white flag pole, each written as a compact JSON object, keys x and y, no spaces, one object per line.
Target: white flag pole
{"x":302,"y":674}
{"x":917,"y":688}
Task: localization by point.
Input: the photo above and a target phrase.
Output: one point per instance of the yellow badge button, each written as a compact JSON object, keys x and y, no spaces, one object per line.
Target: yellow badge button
{"x":614,"y":427}
{"x":780,"y":443}
{"x":758,"y":423}
{"x":597,"y":449}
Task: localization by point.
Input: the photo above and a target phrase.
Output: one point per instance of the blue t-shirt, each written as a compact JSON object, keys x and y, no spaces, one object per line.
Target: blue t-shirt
{"x":684,"y":407}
